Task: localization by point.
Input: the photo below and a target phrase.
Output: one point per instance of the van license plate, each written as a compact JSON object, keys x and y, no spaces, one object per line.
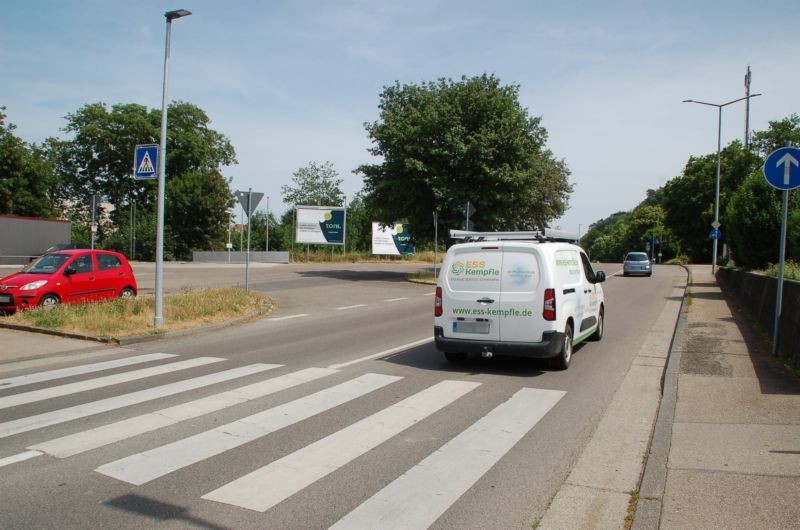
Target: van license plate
{"x":471,"y":327}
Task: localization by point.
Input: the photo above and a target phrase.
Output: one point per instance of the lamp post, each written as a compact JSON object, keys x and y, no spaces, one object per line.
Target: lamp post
{"x":715,"y":224}
{"x":162,"y":164}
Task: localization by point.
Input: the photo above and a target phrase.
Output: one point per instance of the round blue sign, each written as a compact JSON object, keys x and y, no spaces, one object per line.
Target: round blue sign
{"x":782,"y":168}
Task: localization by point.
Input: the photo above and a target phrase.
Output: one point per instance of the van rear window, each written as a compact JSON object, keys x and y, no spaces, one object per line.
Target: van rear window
{"x":520,"y":272}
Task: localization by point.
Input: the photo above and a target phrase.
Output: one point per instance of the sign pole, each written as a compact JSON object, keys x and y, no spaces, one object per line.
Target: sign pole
{"x":247,"y":259}
{"x":779,"y":287}
{"x":781,"y":171}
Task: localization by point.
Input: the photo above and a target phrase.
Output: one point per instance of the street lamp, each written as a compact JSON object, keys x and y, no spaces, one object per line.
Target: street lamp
{"x":715,"y":224}
{"x":162,"y":159}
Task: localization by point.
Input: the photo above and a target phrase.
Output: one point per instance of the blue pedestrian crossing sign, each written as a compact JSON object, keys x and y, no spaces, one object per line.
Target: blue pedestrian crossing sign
{"x":782,"y":168}
{"x":145,"y":162}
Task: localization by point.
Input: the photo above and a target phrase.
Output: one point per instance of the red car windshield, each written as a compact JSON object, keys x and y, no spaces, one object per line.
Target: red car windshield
{"x":47,"y":264}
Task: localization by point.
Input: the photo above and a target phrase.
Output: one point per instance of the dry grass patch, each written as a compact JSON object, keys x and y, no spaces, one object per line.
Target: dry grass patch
{"x":125,"y":318}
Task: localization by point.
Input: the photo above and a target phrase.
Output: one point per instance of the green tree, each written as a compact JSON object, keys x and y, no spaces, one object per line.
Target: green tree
{"x":688,"y":200}
{"x":754,"y":222}
{"x":359,"y":225}
{"x":314,"y":185}
{"x":98,"y":159}
{"x":202,"y":196}
{"x":445,"y":143}
{"x":777,"y":135}
{"x":26,"y":177}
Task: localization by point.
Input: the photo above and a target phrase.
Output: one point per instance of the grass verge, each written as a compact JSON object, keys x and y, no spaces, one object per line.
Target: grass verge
{"x":116,"y":319}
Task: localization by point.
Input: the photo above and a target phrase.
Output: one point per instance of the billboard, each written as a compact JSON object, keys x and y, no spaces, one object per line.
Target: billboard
{"x":323,"y":225}
{"x":392,"y":240}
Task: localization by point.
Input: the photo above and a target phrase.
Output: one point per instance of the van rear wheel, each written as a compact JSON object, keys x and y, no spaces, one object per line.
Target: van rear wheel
{"x":455,"y":357}
{"x":598,"y":333}
{"x":561,"y":362}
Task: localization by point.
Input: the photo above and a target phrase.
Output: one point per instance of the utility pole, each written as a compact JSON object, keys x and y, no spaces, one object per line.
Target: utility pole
{"x":747,"y":79}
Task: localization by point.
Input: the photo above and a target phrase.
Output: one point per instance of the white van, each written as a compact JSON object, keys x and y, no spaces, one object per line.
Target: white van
{"x":525,"y":294}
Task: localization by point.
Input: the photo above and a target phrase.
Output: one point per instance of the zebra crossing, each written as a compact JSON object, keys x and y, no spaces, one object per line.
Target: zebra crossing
{"x":415,"y":499}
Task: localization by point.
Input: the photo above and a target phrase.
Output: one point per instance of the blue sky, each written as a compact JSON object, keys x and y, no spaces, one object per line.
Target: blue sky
{"x":290,"y":82}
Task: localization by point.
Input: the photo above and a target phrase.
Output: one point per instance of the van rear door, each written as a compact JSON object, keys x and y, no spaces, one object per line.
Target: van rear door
{"x":521,"y":300}
{"x":471,"y":284}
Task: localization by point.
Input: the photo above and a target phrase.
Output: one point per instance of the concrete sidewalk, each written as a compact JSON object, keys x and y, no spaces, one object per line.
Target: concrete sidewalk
{"x":726,"y":446}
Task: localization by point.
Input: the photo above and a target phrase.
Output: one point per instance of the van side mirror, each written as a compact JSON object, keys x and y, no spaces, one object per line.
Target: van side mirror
{"x":599,"y":277}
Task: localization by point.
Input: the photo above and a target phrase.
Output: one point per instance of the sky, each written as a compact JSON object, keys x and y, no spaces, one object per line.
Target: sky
{"x":294,"y":82}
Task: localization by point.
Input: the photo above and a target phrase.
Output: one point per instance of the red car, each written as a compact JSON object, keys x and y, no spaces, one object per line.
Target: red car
{"x":68,"y":276}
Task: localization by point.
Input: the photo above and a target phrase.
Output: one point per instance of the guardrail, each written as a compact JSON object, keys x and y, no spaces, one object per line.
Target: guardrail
{"x":756,"y":295}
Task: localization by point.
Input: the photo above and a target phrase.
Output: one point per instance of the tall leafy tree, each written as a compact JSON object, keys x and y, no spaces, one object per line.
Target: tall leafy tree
{"x":777,"y":135}
{"x":97,"y":159}
{"x":202,"y":196}
{"x":445,"y":143}
{"x":26,"y":177}
{"x":314,"y":185}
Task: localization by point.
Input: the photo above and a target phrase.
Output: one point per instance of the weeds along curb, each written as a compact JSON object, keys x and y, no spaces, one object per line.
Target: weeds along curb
{"x":135,"y":339}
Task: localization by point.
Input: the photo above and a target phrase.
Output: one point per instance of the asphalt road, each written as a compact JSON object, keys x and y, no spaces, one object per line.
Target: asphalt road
{"x":485,"y":444}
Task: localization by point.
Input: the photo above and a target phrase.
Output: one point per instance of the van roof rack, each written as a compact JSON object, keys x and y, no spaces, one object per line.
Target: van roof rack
{"x":548,"y":234}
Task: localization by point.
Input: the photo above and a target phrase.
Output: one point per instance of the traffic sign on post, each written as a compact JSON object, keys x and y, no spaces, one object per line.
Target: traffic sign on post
{"x":249,"y":200}
{"x":145,"y":162}
{"x":782,"y":168}
{"x":715,"y":234}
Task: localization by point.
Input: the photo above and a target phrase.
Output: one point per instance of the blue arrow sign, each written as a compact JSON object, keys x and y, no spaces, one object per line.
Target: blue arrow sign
{"x":145,"y":162}
{"x":715,"y":234}
{"x":782,"y":168}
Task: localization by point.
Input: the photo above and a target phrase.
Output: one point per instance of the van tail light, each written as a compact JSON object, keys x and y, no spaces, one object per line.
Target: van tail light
{"x":549,"y":311}
{"x":437,"y":308}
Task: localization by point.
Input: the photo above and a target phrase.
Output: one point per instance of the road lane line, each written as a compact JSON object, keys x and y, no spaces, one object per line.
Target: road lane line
{"x":50,"y":375}
{"x":122,"y":430}
{"x":47,"y":419}
{"x":383,"y":353}
{"x":277,"y":319}
{"x":421,"y":495}
{"x":275,"y":482}
{"x":350,"y":307}
{"x":101,"y":382}
{"x":143,"y":467}
{"x":396,"y":299}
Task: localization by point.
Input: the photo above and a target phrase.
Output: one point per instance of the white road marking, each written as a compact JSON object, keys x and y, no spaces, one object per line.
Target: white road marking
{"x":143,"y":467}
{"x":87,"y":440}
{"x":271,"y":484}
{"x":421,"y":495}
{"x":278,"y":319}
{"x":50,"y":375}
{"x":21,"y":457}
{"x":429,"y":294}
{"x":383,"y":353}
{"x":101,"y":382}
{"x":396,"y":299}
{"x":350,"y":307}
{"x":46,"y":419}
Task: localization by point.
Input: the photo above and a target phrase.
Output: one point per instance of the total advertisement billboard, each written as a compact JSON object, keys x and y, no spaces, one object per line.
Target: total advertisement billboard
{"x":392,"y":240}
{"x":322,"y":225}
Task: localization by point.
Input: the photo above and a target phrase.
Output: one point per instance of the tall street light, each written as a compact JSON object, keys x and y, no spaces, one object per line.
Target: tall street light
{"x":162,"y":164}
{"x":715,"y":224}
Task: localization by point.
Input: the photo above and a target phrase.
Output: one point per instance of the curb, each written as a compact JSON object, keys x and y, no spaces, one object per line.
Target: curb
{"x":654,"y":478}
